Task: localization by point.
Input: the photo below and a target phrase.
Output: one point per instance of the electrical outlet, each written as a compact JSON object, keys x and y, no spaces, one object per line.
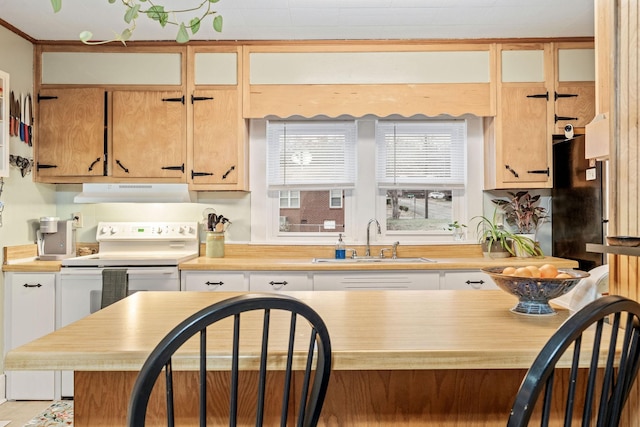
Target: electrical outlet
{"x":77,"y":219}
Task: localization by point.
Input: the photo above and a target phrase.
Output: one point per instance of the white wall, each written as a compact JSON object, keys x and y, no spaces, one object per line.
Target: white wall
{"x":23,"y":200}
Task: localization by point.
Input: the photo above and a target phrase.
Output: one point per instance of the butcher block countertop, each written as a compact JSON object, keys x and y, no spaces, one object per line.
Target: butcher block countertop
{"x":246,"y":257}
{"x":370,"y":330}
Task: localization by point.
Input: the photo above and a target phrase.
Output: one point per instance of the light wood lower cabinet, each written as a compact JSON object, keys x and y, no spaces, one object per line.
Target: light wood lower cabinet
{"x":29,"y":314}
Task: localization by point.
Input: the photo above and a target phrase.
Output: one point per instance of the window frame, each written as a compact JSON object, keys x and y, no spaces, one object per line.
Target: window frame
{"x":361,"y":205}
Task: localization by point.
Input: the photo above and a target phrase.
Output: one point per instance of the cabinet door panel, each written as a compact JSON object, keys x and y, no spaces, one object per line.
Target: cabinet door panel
{"x":280,"y":281}
{"x":581,"y":107}
{"x":149,"y":135}
{"x":359,"y":280}
{"x":454,"y":280}
{"x":524,"y":139}
{"x":70,"y":137}
{"x":215,"y":137}
{"x":213,"y":281}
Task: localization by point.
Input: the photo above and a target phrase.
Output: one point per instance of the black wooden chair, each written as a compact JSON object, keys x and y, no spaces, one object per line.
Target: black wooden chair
{"x":313,"y":355}
{"x":598,"y":385}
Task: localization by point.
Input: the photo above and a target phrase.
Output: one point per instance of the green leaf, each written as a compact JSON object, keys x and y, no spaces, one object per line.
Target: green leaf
{"x":194,"y":25}
{"x":182,"y":36}
{"x":132,"y":13}
{"x":217,"y":23}
{"x":214,"y":1}
{"x":57,"y":5}
{"x":157,"y":13}
{"x":125,"y":35}
{"x":112,"y":1}
{"x":85,"y":36}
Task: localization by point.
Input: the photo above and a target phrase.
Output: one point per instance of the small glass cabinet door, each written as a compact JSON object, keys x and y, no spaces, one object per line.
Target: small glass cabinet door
{"x":4,"y":123}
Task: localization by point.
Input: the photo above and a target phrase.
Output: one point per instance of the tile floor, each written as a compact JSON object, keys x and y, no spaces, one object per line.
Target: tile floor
{"x":21,"y":412}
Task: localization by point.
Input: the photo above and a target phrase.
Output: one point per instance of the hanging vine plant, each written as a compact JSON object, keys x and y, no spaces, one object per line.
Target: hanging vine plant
{"x":157,"y":13}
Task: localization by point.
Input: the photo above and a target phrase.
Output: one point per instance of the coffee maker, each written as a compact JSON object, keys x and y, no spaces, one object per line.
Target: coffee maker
{"x":55,"y":239}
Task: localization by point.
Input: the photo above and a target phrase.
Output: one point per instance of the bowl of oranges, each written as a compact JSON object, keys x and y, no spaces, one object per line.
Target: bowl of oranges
{"x":534,"y":285}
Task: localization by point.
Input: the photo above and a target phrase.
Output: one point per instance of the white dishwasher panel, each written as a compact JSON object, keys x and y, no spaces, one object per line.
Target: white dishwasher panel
{"x":396,"y":280}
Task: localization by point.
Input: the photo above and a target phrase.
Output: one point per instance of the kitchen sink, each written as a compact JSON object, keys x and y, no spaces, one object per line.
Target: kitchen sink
{"x":365,"y":260}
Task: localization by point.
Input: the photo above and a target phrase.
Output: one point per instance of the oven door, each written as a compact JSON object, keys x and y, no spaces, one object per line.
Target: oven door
{"x":81,"y":295}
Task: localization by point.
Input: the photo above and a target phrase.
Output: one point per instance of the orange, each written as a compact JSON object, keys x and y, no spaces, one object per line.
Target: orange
{"x":523,"y":272}
{"x":534,"y":270}
{"x":548,"y":270}
{"x":563,"y":276}
{"x":509,"y":271}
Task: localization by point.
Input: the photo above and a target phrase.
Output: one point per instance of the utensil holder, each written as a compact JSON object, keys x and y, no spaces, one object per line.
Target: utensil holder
{"x":215,"y":244}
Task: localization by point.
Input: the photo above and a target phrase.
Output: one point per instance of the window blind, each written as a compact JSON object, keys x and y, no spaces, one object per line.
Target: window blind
{"x":421,"y":154}
{"x":311,"y":155}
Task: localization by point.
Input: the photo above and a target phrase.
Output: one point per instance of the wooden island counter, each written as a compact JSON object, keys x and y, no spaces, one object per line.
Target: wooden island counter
{"x":409,"y":358}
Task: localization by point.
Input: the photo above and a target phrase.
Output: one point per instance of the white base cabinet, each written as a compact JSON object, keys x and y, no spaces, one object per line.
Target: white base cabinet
{"x":280,"y":281}
{"x":213,"y":281}
{"x":467,"y":279}
{"x":29,"y":314}
{"x":360,"y":280}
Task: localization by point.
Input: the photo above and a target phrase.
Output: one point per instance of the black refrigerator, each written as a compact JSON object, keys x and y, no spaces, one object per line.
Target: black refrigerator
{"x":577,"y":203}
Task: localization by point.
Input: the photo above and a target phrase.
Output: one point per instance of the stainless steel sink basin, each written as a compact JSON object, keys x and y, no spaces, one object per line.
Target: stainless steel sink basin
{"x":365,"y":260}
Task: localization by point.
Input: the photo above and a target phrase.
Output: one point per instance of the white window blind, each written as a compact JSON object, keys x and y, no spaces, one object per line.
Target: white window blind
{"x":311,"y":155}
{"x":426,"y":153}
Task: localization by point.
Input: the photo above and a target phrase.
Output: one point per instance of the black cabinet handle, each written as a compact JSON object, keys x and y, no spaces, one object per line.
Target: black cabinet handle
{"x":93,"y":164}
{"x":540,"y":171}
{"x":44,"y":166}
{"x":283,"y":283}
{"x":122,"y":166}
{"x":541,"y":95}
{"x":512,"y":171}
{"x":200,"y":98}
{"x":26,"y":285}
{"x":565,"y":95}
{"x":557,"y":118}
{"x":45,"y":97}
{"x":174,"y":168}
{"x":228,"y":172}
{"x":194,"y":174}
{"x":474,"y":282}
{"x":181,"y":99}
{"x":214,"y":283}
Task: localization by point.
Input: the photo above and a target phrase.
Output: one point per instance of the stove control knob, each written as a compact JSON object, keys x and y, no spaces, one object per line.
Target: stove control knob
{"x":104,"y":230}
{"x":114,"y":230}
{"x":192,"y":230}
{"x":182,"y":229}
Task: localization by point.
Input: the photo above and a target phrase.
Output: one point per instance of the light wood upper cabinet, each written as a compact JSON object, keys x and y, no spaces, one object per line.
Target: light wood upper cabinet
{"x":216,"y":133}
{"x":524,"y":136}
{"x":70,"y":140}
{"x":149,"y":135}
{"x":218,"y":139}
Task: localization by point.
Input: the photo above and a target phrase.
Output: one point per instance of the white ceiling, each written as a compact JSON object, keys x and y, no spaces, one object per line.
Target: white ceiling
{"x":317,"y":19}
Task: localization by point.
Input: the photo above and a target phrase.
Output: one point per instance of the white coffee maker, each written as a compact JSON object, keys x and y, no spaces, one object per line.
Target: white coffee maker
{"x":55,"y":239}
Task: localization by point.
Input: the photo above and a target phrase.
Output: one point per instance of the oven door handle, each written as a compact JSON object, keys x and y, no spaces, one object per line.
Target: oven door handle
{"x":149,"y":271}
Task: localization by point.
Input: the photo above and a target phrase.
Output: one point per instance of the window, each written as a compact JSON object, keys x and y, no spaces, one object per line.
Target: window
{"x":335,"y":199}
{"x":420,"y":166}
{"x":306,"y":162}
{"x":415,"y":184}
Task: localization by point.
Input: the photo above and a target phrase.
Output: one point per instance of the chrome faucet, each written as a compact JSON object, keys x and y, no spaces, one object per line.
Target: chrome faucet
{"x":368,"y":250}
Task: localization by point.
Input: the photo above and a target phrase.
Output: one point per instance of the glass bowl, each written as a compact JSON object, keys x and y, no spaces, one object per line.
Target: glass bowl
{"x":534,"y":293}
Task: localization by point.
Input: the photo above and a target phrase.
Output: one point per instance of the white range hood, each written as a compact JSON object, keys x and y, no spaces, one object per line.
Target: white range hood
{"x":134,"y":193}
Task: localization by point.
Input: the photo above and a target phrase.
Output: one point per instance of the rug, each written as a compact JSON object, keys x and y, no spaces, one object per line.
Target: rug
{"x":59,"y":414}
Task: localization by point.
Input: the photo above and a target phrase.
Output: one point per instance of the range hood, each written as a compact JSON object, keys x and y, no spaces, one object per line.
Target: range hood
{"x":134,"y":193}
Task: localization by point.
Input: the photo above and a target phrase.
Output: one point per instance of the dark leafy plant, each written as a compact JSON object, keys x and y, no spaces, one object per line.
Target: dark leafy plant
{"x":522,"y":212}
{"x":157,"y":13}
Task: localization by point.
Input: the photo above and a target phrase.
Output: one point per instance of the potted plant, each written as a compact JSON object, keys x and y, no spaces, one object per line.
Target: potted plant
{"x":523,"y":213}
{"x":457,"y":230}
{"x":498,"y":242}
{"x":493,"y":237}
